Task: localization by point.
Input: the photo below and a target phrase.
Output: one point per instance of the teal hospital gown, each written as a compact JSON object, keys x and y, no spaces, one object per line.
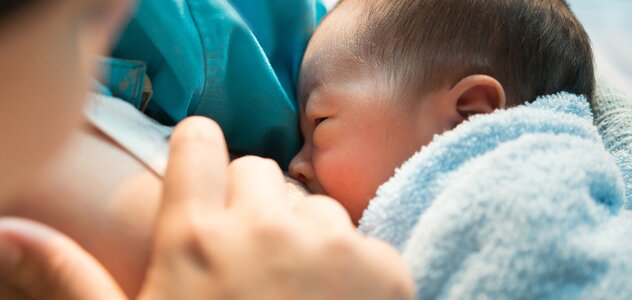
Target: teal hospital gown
{"x":235,"y":61}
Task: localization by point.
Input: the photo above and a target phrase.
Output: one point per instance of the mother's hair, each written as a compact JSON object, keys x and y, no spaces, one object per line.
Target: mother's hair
{"x":11,"y":7}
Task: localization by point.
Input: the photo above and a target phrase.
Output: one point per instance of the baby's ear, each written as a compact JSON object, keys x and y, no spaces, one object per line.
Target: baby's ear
{"x":478,"y":94}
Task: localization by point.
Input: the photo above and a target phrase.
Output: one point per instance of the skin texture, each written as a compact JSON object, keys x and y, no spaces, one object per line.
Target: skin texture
{"x":357,"y":124}
{"x":102,"y":198}
{"x":32,"y":77}
{"x":43,"y":93}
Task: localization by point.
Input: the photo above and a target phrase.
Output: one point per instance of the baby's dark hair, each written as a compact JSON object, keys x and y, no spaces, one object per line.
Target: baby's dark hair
{"x":532,"y":47}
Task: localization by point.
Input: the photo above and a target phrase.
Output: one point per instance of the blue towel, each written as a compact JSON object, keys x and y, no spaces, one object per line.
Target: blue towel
{"x":613,"y":117}
{"x":524,"y":203}
{"x":235,"y":61}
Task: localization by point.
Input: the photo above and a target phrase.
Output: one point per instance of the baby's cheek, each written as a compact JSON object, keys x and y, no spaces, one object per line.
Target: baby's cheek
{"x":328,"y":134}
{"x":339,"y":178}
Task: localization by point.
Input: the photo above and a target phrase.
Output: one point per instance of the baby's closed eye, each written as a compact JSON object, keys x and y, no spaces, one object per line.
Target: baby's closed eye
{"x":319,"y":120}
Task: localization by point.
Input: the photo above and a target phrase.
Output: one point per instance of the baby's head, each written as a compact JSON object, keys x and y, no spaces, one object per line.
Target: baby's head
{"x":381,"y":77}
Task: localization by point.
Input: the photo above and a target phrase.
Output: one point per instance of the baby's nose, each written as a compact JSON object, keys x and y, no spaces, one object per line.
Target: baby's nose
{"x":301,"y":168}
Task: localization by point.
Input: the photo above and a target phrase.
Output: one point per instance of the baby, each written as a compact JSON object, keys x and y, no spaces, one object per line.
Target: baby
{"x":380,"y":78}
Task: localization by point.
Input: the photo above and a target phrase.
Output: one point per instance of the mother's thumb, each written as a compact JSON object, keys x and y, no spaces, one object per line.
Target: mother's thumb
{"x":38,"y":262}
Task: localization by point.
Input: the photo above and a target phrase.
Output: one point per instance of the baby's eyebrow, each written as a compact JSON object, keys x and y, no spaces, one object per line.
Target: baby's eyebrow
{"x":304,"y":102}
{"x":317,"y":102}
{"x":304,"y":97}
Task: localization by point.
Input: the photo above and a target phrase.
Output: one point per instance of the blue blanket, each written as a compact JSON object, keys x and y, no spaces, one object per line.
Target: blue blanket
{"x":525,"y":203}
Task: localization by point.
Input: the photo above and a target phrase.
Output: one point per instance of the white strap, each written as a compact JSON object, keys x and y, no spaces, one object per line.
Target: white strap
{"x":140,"y":135}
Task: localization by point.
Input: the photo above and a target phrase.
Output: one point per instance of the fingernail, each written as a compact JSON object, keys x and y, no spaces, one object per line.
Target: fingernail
{"x":10,"y":256}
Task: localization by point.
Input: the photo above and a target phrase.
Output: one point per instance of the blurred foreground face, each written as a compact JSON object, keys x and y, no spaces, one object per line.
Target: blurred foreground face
{"x":47,"y":52}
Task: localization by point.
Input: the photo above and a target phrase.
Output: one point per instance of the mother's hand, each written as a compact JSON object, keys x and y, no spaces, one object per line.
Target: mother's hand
{"x":223,"y":231}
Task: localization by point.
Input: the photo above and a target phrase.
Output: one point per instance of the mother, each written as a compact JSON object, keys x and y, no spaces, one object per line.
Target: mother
{"x":214,"y":236}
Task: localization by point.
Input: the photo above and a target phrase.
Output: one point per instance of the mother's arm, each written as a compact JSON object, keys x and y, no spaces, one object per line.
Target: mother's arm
{"x":100,"y":196}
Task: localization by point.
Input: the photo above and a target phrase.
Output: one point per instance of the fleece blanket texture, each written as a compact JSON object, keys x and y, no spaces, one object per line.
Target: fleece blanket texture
{"x":524,"y":203}
{"x":613,"y":118}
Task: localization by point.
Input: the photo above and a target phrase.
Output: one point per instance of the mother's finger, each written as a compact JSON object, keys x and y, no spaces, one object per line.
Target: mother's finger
{"x":324,"y":213}
{"x":257,"y":183}
{"x":194,"y":187}
{"x":196,"y":171}
{"x":194,"y":192}
{"x":41,"y":263}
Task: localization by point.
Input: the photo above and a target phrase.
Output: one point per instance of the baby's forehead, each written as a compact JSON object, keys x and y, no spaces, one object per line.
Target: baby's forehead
{"x":336,"y":38}
{"x":335,"y":50}
{"x":343,"y":21}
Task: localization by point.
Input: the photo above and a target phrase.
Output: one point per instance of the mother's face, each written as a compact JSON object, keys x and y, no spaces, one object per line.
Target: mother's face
{"x":47,"y":52}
